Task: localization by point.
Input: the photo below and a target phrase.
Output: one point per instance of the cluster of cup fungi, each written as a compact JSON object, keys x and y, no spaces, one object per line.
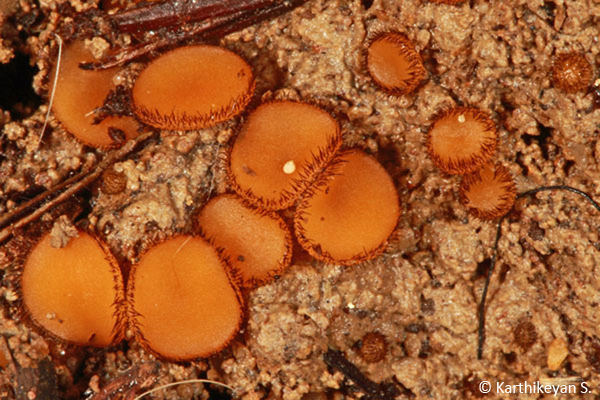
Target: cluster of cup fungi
{"x":288,"y":155}
{"x":462,"y":141}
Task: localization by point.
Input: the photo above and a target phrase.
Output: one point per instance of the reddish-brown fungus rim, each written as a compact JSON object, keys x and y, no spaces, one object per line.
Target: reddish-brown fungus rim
{"x":307,"y":178}
{"x":184,"y":122}
{"x":476,"y":161}
{"x":133,"y":322}
{"x":261,"y":212}
{"x":418,"y":73}
{"x":26,"y":243}
{"x":311,"y":246}
{"x":505,"y":202}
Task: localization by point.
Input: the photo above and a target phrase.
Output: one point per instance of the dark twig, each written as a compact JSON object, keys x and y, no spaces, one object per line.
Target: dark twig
{"x":24,"y":208}
{"x":481,"y":330}
{"x":73,"y":185}
{"x":129,"y":383}
{"x":375,"y":391}
{"x":176,"y":13}
{"x":212,"y":20}
{"x":39,"y":382}
{"x":485,"y":290}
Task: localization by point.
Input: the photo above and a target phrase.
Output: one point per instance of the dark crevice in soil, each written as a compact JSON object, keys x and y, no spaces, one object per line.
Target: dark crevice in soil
{"x":16,"y":87}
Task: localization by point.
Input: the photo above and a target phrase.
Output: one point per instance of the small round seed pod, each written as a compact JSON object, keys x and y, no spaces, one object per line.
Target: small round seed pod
{"x":257,"y":243}
{"x":571,"y":72}
{"x":182,"y":302}
{"x":74,"y":293}
{"x":78,"y":93}
{"x":193,"y":87}
{"x":279,"y":152}
{"x":489,"y":193}
{"x":461,"y":140}
{"x":525,"y":334}
{"x":393,"y":63}
{"x":373,"y":347}
{"x":352,"y":213}
{"x":113,"y":182}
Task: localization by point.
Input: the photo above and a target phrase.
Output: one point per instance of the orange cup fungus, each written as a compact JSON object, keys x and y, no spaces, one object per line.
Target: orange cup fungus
{"x":394,"y":64}
{"x":489,"y":193}
{"x":279,"y":152}
{"x":182,"y":301}
{"x":74,"y":293}
{"x":258,"y":244}
{"x":350,"y":220}
{"x":461,"y":140}
{"x":78,"y":93}
{"x":571,"y":72}
{"x":193,"y":87}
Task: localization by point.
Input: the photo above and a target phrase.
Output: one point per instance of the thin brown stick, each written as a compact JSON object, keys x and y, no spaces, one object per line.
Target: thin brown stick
{"x":53,"y":91}
{"x":206,"y":381}
{"x":126,"y":385}
{"x":76,"y":183}
{"x":174,"y":14}
{"x":244,"y":13}
{"x":23,"y":208}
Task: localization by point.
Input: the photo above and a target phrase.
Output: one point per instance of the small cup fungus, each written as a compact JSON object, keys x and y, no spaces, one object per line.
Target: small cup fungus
{"x":461,"y":140}
{"x":182,"y":302}
{"x":489,"y":193}
{"x":394,"y":64}
{"x":373,"y":347}
{"x":192,"y":88}
{"x":258,"y":244}
{"x":76,"y":292}
{"x":279,"y":152}
{"x":78,"y":93}
{"x":525,"y":334}
{"x":113,"y":182}
{"x":571,"y":72}
{"x":350,"y":219}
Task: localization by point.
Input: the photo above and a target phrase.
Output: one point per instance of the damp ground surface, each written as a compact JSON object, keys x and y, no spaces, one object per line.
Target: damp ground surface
{"x":422,"y":293}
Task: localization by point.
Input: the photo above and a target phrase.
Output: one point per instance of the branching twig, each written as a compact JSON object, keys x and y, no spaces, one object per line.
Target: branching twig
{"x":213,"y":20}
{"x":375,"y":391}
{"x":129,"y":383}
{"x":481,"y":330}
{"x":72,"y":185}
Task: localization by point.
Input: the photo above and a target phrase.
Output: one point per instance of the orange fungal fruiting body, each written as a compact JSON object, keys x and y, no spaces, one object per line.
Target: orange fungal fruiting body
{"x":76,"y":292}
{"x":461,"y":140}
{"x":279,"y":152}
{"x":489,"y":193}
{"x":192,"y":88}
{"x":571,"y":72}
{"x":394,"y":64}
{"x":351,"y":219}
{"x":182,"y":303}
{"x":78,"y":93}
{"x":257,"y":244}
